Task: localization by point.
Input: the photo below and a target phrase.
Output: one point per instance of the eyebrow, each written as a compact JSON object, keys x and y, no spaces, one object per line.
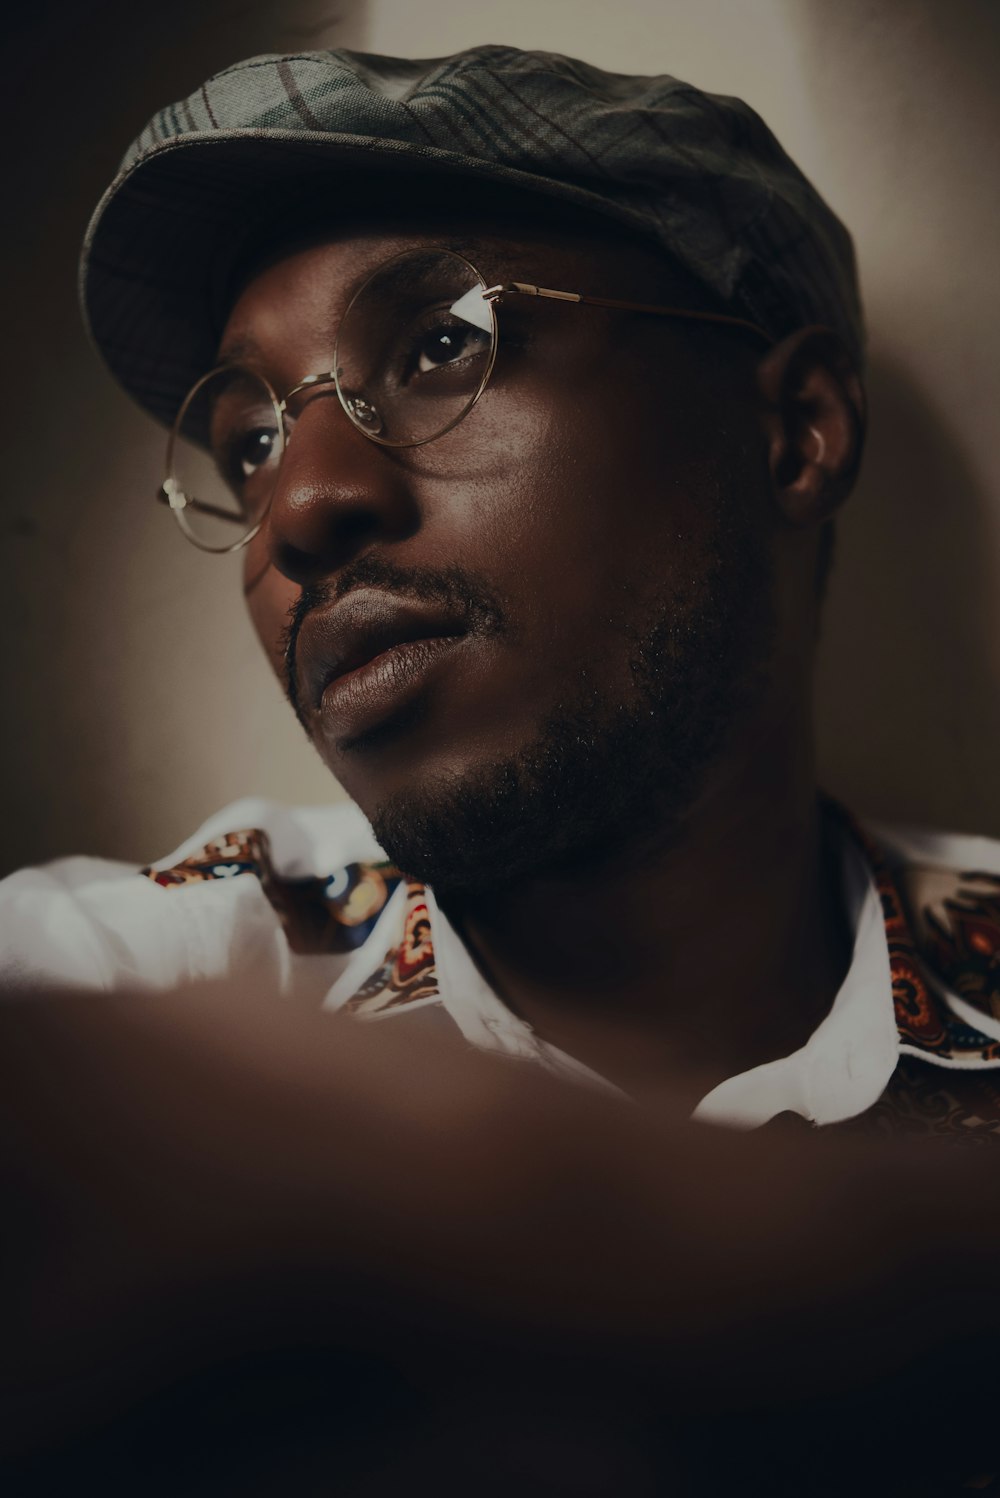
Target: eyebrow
{"x":466,"y":247}
{"x":473,"y":249}
{"x":487,"y":249}
{"x":239,"y":349}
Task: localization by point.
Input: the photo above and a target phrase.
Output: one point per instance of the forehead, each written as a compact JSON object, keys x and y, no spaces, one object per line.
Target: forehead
{"x":315,"y":269}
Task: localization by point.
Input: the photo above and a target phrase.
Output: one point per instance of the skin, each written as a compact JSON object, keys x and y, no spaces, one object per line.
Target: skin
{"x":581,"y":537}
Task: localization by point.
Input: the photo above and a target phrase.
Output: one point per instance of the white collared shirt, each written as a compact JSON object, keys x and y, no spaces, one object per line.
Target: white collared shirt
{"x":93,"y":923}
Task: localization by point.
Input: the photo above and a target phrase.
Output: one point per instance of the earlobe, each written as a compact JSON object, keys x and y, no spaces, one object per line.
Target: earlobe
{"x":813,"y":411}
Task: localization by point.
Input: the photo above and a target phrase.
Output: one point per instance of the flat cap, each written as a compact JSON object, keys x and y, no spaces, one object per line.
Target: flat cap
{"x":699,"y":174}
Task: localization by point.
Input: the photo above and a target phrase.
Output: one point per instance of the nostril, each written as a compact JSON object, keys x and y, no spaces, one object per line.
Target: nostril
{"x":293,"y":562}
{"x":356,"y":526}
{"x":349,"y":534}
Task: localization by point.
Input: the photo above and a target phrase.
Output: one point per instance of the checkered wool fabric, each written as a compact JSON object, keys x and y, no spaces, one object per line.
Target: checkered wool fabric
{"x":698,"y":173}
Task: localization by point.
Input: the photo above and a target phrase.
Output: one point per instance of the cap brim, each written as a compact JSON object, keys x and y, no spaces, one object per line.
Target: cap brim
{"x":161,"y":246}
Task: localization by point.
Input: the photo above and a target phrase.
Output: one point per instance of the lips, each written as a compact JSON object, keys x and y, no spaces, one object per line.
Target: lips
{"x":355,"y":659}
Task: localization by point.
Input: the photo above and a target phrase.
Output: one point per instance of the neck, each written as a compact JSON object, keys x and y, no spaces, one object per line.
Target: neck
{"x":693,"y":959}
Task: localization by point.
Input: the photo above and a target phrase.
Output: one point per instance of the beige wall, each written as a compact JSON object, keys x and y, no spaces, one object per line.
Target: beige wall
{"x":136,"y":702}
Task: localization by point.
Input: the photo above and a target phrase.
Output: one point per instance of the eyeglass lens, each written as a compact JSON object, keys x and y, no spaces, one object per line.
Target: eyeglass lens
{"x":414,"y":347}
{"x":413,"y":353}
{"x":225,"y":452}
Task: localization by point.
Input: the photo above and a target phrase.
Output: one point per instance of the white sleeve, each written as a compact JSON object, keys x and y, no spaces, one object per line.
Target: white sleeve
{"x":87,"y":923}
{"x":53,"y":928}
{"x":93,"y":923}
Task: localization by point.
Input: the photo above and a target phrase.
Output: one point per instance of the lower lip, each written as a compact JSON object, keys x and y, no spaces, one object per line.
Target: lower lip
{"x":366,"y":697}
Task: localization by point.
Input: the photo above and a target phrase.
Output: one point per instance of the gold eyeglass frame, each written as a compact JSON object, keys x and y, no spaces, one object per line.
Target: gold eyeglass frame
{"x":170,"y":494}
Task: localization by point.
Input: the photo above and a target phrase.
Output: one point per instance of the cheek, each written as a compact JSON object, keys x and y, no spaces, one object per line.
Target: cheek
{"x":269,"y":596}
{"x":578,"y":501}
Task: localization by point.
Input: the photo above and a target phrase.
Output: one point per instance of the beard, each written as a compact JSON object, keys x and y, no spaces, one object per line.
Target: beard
{"x":607,"y":774}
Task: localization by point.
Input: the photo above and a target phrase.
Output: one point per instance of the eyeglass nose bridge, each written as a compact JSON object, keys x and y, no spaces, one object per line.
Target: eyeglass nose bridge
{"x":309,"y":383}
{"x":361,"y":412}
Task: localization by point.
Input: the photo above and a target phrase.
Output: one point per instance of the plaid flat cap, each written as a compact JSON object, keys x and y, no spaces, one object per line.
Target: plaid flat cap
{"x":699,"y":174}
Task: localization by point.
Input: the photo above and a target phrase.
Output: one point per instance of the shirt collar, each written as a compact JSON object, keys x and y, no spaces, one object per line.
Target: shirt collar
{"x":898,"y":996}
{"x":924,"y":980}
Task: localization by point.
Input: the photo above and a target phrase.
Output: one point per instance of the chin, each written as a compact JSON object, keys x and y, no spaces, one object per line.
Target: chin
{"x":557,"y":807}
{"x":608,"y":774}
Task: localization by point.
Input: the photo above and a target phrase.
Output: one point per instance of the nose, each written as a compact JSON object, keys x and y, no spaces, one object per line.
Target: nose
{"x":336,"y":494}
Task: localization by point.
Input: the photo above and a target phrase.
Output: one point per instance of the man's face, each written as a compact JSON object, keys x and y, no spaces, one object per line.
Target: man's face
{"x":546,"y":622}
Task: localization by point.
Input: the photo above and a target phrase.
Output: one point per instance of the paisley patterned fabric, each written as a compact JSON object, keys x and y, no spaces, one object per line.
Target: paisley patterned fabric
{"x":957,"y":924}
{"x":925,"y":1100}
{"x":943,"y":931}
{"x":334,"y":914}
{"x":942,"y":928}
{"x":407,"y":976}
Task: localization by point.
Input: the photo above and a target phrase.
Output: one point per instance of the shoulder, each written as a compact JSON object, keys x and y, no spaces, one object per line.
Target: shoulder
{"x":256,"y":884}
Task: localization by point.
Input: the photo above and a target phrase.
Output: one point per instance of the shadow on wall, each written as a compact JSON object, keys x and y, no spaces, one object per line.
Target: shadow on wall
{"x":904,"y":120}
{"x":81,"y":81}
{"x":909,"y":696}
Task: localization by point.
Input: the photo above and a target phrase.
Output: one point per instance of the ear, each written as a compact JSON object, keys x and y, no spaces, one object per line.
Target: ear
{"x":814,"y":414}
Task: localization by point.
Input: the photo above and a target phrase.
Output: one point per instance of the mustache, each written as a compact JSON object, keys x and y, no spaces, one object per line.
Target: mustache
{"x":468,"y":599}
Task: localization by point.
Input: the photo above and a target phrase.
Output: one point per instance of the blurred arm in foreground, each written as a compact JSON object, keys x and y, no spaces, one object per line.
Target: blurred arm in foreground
{"x":200,"y":1177}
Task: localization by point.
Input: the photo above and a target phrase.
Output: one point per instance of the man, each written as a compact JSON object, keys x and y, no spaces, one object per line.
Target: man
{"x":529,"y":394}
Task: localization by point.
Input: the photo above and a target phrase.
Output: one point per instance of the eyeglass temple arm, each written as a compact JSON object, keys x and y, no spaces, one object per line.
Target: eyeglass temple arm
{"x":524,"y":288}
{"x":164,"y":497}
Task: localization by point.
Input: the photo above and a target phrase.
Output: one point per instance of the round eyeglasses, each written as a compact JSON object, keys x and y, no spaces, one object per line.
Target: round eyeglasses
{"x":413,"y":354}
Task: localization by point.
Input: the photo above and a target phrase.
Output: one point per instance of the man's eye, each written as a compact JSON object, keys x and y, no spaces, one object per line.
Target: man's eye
{"x":446,"y":343}
{"x":245,"y":452}
{"x":254,"y":450}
